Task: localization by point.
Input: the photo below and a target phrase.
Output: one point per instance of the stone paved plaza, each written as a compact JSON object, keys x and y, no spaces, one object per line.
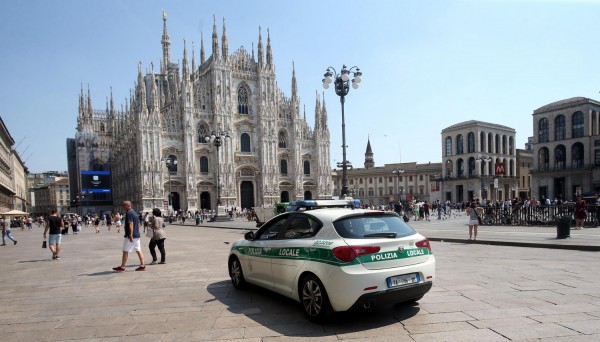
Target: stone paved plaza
{"x":481,"y":293}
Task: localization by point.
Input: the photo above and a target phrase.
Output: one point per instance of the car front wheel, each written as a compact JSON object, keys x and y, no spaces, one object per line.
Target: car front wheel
{"x":236,"y":273}
{"x":314,"y":299}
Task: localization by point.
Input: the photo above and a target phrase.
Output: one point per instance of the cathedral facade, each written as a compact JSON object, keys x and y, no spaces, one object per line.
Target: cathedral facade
{"x":216,"y":133}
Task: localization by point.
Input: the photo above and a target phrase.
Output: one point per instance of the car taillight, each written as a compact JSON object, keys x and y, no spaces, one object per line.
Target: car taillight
{"x":424,"y":244}
{"x":348,"y":253}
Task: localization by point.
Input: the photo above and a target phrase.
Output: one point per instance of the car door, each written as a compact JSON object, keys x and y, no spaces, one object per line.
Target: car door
{"x":290,"y":250}
{"x":260,"y":251}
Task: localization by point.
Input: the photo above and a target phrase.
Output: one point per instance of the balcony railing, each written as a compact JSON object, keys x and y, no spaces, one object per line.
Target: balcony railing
{"x":565,"y":167}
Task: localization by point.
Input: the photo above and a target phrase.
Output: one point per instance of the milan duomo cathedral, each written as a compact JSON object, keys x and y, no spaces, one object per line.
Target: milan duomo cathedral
{"x":162,"y":143}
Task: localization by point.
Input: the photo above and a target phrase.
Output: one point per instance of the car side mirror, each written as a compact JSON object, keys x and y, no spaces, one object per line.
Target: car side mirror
{"x":249,"y":236}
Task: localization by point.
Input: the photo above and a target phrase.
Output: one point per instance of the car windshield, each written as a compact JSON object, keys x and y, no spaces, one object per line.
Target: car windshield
{"x":372,"y":226}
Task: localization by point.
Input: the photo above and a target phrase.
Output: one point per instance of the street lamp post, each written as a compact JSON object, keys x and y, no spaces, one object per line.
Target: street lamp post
{"x":398,"y":172}
{"x":342,"y":87}
{"x":170,"y":162}
{"x":217,"y":139}
{"x":483,"y":188}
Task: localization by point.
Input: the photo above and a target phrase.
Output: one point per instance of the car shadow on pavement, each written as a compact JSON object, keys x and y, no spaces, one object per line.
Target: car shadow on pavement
{"x":286,"y":316}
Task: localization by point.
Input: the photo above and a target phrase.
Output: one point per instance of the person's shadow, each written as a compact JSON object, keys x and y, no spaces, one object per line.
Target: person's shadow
{"x":28,"y":261}
{"x":101,"y":273}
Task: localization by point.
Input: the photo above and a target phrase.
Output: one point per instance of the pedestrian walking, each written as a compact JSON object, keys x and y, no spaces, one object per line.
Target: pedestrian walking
{"x":131,"y":241}
{"x":108,"y":221}
{"x":118,"y":222}
{"x":473,"y":211}
{"x":6,"y":231}
{"x":158,"y":238}
{"x":580,"y":213}
{"x":97,"y":224}
{"x":53,"y":227}
{"x":74,"y":224}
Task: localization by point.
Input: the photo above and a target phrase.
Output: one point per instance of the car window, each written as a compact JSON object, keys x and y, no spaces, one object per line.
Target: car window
{"x":301,"y":226}
{"x":272,"y":228}
{"x":371,"y":226}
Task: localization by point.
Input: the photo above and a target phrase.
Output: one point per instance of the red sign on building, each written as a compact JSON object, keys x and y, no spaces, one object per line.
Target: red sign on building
{"x":499,"y":168}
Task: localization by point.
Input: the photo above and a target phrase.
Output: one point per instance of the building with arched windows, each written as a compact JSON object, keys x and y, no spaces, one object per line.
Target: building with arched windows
{"x":566,"y":149}
{"x":160,"y":148}
{"x":479,"y":160}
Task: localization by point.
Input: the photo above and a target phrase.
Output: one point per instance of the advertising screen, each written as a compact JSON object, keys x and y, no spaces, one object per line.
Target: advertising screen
{"x":95,"y":181}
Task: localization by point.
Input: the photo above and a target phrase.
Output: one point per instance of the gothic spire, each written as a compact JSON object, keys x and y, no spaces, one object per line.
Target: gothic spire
{"x":260,"y":48}
{"x":153,"y":91}
{"x":185,"y":66}
{"x":81,"y":102}
{"x":324,"y":114}
{"x":201,"y":48}
{"x":193,"y":59}
{"x":294,"y":83}
{"x":317,"y":112}
{"x":141,"y":92}
{"x":112,"y":103}
{"x":269,"y":52}
{"x":89,"y":101}
{"x":225,"y":47}
{"x":215,"y":40}
{"x":166,"y":44}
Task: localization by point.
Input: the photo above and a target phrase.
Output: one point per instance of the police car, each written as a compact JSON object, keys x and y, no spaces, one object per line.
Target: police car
{"x":335,"y":259}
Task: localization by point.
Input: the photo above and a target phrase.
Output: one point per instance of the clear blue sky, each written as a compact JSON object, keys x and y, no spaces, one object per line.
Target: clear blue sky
{"x":426,"y":64}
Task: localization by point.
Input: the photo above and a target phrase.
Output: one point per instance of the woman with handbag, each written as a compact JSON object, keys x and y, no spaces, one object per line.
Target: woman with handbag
{"x":158,"y":238}
{"x":474,"y":219}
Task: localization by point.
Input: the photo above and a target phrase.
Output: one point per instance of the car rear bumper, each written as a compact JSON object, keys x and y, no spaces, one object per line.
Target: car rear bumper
{"x":392,"y":296}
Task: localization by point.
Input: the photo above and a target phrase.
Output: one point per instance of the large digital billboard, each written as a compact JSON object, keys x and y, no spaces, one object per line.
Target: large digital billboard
{"x":95,"y":182}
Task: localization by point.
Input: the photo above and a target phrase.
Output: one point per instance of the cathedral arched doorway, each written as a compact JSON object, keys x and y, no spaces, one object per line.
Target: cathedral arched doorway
{"x":285,"y":196}
{"x":307,"y":195}
{"x":175,"y":201}
{"x":247,"y":195}
{"x":205,"y":200}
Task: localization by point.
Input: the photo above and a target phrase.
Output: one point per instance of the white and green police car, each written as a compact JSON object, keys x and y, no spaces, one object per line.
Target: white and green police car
{"x":333,"y":260}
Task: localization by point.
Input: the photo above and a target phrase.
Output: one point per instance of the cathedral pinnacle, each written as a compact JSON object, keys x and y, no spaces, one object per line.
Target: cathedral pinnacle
{"x":260,"y":48}
{"x":269,"y":51}
{"x":193,"y":59}
{"x":294,"y":83}
{"x":201,"y":48}
{"x":185,"y":65}
{"x":324,"y":114}
{"x":215,"y":40}
{"x":225,"y":47}
{"x":112,"y":103}
{"x":166,"y":44}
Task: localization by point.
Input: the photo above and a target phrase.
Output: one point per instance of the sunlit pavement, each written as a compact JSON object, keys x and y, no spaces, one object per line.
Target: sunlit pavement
{"x":482,"y":292}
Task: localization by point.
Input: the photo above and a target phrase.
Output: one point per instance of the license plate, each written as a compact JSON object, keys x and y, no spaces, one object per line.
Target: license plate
{"x":403,"y":279}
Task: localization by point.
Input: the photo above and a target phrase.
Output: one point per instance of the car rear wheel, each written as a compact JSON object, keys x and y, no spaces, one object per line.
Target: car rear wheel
{"x":236,"y":273}
{"x":314,"y":299}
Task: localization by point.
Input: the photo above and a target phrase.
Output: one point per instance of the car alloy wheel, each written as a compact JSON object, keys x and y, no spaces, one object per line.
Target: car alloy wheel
{"x":314,"y":300}
{"x":236,"y":273}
